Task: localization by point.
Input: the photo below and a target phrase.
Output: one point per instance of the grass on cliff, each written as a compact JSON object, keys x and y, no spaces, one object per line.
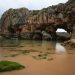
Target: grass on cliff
{"x":10,"y":66}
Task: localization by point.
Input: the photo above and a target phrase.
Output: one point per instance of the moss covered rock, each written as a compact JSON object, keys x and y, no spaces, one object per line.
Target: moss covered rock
{"x":10,"y":66}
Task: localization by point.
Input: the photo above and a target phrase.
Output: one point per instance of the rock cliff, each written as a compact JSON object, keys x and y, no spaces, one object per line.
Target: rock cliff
{"x":31,"y":23}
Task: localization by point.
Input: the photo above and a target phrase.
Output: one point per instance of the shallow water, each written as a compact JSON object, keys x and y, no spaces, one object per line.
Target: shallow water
{"x":14,"y":47}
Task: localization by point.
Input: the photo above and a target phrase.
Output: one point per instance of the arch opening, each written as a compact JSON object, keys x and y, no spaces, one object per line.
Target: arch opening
{"x":62,"y":34}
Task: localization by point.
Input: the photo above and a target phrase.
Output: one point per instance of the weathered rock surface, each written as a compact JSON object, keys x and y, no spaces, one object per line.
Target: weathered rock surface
{"x":22,"y":21}
{"x":70,"y":43}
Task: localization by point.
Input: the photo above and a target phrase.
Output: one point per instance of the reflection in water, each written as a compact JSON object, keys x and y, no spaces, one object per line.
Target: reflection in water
{"x":60,"y":49}
{"x":8,"y":47}
{"x":9,"y":42}
{"x":27,"y":45}
{"x":11,"y":46}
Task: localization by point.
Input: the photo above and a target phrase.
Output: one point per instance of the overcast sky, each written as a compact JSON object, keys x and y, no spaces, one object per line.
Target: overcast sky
{"x":30,"y":4}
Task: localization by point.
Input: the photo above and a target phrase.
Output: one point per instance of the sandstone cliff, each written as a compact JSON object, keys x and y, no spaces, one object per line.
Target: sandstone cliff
{"x":31,"y":23}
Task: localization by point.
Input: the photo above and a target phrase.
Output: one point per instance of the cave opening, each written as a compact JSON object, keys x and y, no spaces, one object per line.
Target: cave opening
{"x":62,"y":34}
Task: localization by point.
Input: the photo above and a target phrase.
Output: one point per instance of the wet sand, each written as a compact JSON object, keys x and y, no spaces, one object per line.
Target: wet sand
{"x":48,"y":64}
{"x":63,"y":64}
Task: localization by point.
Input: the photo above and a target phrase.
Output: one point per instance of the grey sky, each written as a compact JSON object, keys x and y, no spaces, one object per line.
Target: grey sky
{"x":30,"y":4}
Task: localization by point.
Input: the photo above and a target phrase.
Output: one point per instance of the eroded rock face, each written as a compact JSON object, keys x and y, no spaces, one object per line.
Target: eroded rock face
{"x":21,"y":21}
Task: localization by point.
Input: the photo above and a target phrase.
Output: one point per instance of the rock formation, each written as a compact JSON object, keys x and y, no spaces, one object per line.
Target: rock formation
{"x":30,"y":23}
{"x":70,"y":44}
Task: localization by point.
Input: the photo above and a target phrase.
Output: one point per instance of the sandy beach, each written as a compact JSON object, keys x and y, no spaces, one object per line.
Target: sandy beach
{"x":63,"y":64}
{"x":39,"y":59}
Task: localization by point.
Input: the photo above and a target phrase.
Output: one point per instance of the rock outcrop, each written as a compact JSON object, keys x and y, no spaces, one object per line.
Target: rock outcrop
{"x":70,"y":44}
{"x":22,"y":22}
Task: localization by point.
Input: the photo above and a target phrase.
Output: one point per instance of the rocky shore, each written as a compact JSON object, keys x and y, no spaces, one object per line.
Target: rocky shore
{"x":70,"y":44}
